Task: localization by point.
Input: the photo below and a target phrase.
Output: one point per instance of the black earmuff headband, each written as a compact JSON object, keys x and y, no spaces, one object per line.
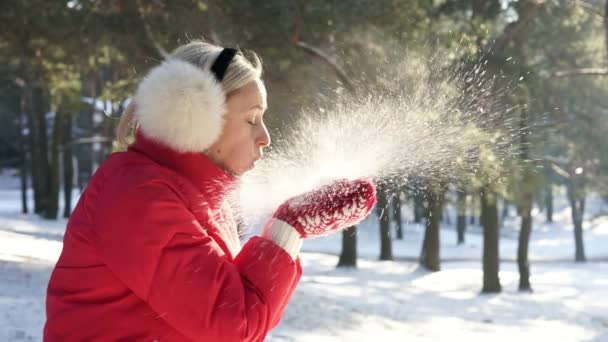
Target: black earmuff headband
{"x":221,"y":63}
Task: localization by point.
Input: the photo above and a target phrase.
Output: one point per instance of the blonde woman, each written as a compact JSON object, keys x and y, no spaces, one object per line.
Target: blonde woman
{"x":151,"y":252}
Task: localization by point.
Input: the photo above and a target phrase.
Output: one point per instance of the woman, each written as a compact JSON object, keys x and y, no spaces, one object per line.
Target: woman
{"x":151,"y":251}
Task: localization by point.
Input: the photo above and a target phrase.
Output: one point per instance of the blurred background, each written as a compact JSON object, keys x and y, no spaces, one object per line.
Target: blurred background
{"x":518,"y":250}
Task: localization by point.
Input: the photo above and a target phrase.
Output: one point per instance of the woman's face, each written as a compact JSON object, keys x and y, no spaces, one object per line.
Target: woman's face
{"x":245,"y":135}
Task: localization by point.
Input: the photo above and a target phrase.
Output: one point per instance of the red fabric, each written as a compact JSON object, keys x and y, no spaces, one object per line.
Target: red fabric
{"x":151,"y":252}
{"x":337,"y":205}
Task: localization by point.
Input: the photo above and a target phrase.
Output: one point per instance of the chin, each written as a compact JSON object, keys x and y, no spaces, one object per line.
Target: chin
{"x":241,"y":171}
{"x":249,"y":168}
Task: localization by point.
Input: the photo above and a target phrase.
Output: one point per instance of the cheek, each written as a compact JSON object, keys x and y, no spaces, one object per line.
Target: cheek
{"x":238,"y":152}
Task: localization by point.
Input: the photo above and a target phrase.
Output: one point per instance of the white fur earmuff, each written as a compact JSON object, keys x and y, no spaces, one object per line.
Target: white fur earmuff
{"x":180,"y":105}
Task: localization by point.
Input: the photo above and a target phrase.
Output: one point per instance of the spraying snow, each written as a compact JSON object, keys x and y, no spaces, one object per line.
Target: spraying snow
{"x":438,"y":129}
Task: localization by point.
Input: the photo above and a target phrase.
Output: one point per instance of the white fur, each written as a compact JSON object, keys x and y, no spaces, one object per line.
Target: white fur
{"x":181,"y":106}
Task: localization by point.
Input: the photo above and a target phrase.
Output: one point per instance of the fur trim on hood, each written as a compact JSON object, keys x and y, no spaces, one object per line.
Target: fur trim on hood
{"x":180,"y":105}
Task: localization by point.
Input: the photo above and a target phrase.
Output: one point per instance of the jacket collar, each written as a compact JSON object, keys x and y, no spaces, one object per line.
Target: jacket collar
{"x":208,"y":177}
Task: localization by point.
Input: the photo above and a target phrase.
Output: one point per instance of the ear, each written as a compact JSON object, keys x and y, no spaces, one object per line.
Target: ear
{"x":181,"y":106}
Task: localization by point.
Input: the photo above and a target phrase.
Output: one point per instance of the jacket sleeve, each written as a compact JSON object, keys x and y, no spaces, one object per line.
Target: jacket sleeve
{"x":155,"y":246}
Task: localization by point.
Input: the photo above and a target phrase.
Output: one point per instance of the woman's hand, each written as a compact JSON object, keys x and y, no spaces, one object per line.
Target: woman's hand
{"x":338,"y":205}
{"x":319,"y":212}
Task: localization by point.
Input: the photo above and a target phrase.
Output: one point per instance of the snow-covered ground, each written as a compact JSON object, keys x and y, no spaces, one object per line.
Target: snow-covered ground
{"x":389,"y":300}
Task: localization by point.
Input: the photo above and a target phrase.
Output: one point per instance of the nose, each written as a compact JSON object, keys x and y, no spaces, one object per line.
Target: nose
{"x":263,"y":139}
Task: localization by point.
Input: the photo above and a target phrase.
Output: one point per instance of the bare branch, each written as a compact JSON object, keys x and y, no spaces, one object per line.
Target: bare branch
{"x":559,"y":171}
{"x":581,"y":72}
{"x":86,"y":140}
{"x":559,"y":165}
{"x":587,"y":6}
{"x":561,"y":161}
{"x":315,"y":51}
{"x":162,"y":52}
{"x":327,"y":59}
{"x":551,"y":124}
{"x":297,"y":26}
{"x":90,"y":140}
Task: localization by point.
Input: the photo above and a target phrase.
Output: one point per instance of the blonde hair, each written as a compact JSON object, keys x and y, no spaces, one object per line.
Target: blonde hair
{"x":241,"y":70}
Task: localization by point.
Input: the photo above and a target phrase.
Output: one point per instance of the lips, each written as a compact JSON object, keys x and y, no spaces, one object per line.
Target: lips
{"x":255,"y":160}
{"x":252,"y":166}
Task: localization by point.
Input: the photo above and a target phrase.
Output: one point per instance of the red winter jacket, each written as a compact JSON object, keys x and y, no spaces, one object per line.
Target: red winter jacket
{"x":151,"y":253}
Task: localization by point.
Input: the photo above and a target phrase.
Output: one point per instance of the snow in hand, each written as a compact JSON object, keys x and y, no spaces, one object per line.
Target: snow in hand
{"x":391,"y":301}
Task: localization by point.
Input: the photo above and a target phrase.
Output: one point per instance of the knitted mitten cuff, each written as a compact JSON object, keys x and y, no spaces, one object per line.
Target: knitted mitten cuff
{"x":283,"y":235}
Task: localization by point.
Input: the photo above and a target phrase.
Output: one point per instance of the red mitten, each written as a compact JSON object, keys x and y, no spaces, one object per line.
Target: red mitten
{"x":319,"y":212}
{"x":334,"y":206}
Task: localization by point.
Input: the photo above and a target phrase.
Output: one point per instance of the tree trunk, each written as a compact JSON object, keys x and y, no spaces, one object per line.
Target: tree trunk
{"x":397,"y":216}
{"x":524,"y":240}
{"x":348,"y":257}
{"x":32,"y":105}
{"x":107,"y":132}
{"x":23,"y":180}
{"x":23,"y":152}
{"x":472,"y":214}
{"x":418,"y":207}
{"x":481,"y":211}
{"x":527,"y":199}
{"x":548,"y":193}
{"x":491,"y":281}
{"x":68,"y":168}
{"x":577,"y":204}
{"x":429,"y":256}
{"x":505,"y":208}
{"x":549,"y":202}
{"x":578,"y":233}
{"x":386,"y":250}
{"x":44,"y":164}
{"x":52,"y":200}
{"x":461,"y":222}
